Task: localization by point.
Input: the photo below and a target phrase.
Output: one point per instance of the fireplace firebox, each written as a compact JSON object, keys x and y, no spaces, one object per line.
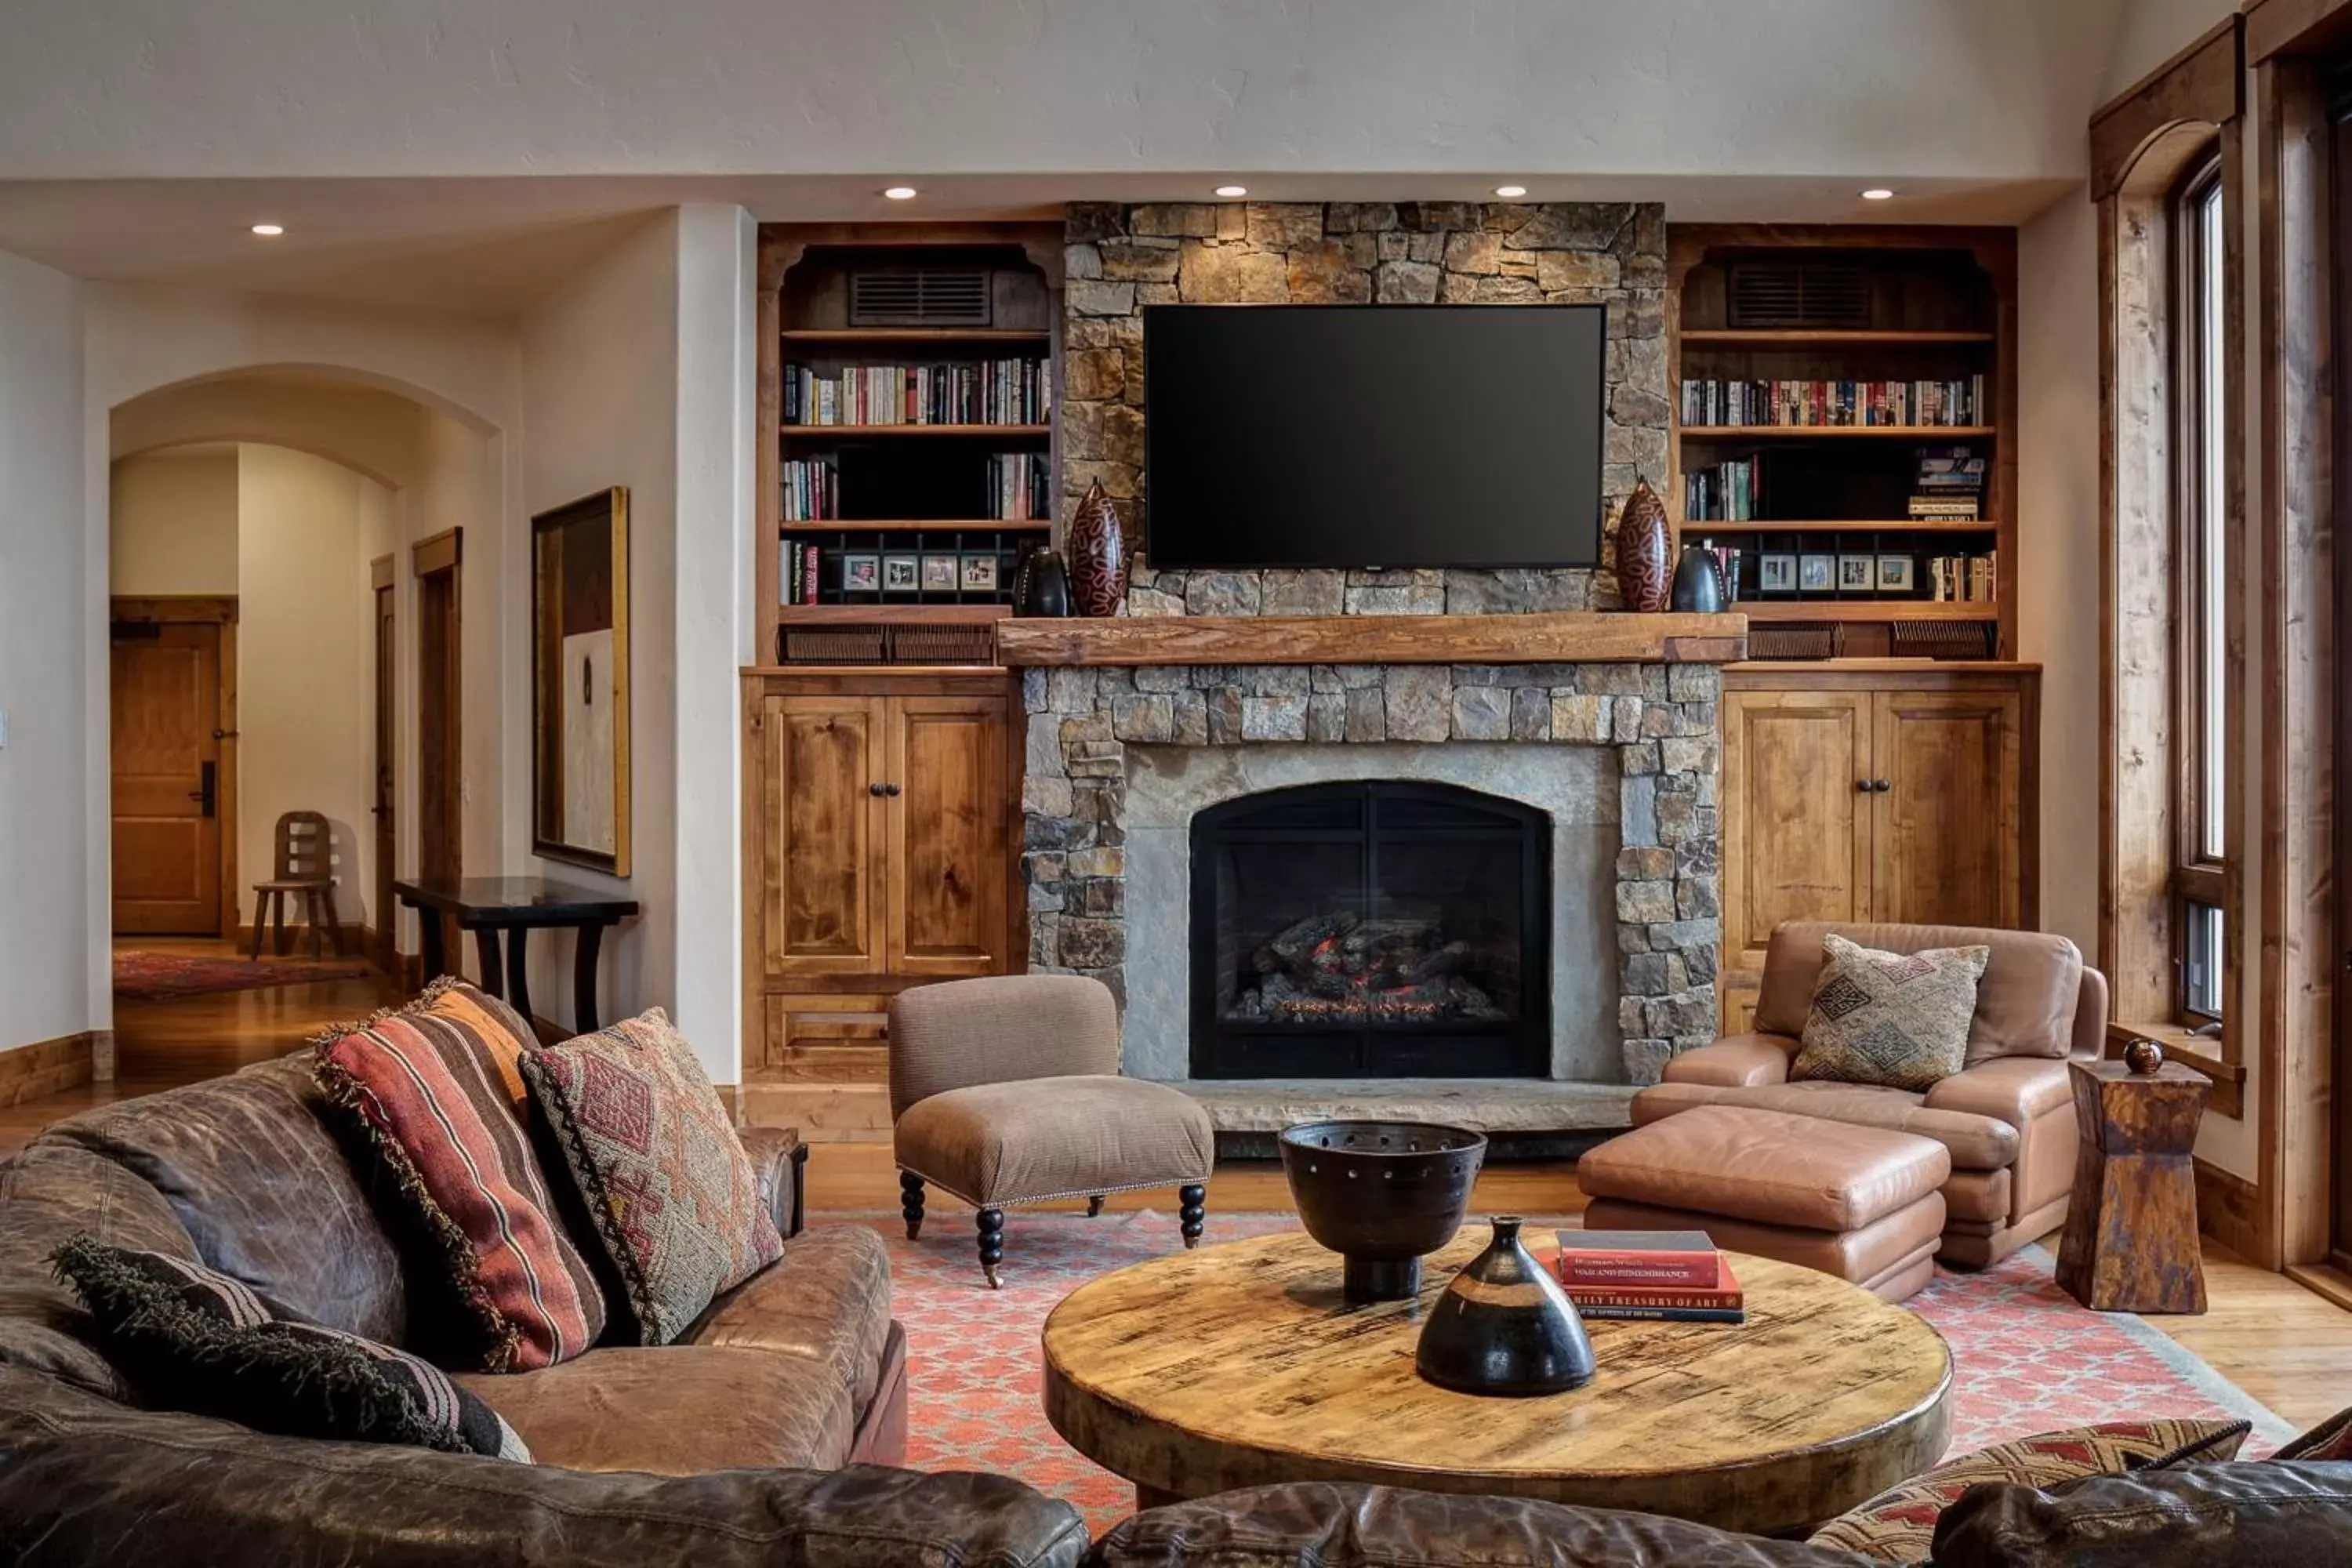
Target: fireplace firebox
{"x":1370,"y":930}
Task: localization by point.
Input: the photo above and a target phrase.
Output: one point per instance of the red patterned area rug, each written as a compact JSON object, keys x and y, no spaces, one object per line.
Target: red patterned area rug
{"x":141,"y":976}
{"x":2026,"y":1358}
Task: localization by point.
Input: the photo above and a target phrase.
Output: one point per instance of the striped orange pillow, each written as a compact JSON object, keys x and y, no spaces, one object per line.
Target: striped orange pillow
{"x":433,"y":1089}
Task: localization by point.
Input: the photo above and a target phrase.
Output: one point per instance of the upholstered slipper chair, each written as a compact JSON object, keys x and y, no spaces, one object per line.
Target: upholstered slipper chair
{"x":1007,"y":1091}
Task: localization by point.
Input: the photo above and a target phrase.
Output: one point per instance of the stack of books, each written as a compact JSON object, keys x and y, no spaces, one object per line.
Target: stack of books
{"x":1949,"y":487}
{"x":1962,"y":579}
{"x":1660,"y":1276}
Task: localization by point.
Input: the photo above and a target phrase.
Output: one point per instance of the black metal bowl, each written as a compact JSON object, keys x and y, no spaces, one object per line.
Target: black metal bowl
{"x":1382,"y":1195}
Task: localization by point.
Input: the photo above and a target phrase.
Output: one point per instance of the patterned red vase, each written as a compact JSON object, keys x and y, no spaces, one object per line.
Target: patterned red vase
{"x":1097,"y":554}
{"x":1643,"y":563}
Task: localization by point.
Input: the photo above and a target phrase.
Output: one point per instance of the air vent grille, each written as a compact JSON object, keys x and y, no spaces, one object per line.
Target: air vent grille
{"x":1816,"y":295}
{"x":919,"y":297}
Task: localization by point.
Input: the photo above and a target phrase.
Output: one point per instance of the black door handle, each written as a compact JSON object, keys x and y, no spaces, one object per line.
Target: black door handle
{"x":878,"y":790}
{"x":890,"y":789}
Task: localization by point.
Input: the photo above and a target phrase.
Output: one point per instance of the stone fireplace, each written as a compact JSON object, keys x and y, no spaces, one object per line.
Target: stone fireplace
{"x":1605,"y":772}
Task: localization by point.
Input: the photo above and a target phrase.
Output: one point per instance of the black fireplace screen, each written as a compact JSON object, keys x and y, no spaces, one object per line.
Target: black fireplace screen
{"x":1371,"y":929}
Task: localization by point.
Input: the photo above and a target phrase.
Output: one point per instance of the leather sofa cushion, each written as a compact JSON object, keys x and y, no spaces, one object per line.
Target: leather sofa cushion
{"x":263,"y":1189}
{"x":1978,"y":1196}
{"x":1768,"y":1166}
{"x":2011,"y":1090}
{"x":1864,"y":1256}
{"x":2275,"y":1512}
{"x":2025,"y":1002}
{"x":1977,"y":1142}
{"x":826,"y":1299}
{"x":996,"y":1143}
{"x":675,"y":1410}
{"x":1736,"y":1061}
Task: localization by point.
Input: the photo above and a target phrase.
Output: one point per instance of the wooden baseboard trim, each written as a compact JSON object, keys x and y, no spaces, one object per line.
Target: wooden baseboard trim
{"x":2323,"y":1280}
{"x":45,"y":1067}
{"x":2228,"y":1206}
{"x":359,"y":942}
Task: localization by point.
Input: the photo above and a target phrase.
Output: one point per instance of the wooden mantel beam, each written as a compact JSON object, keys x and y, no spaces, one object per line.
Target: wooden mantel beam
{"x":1561,"y":637}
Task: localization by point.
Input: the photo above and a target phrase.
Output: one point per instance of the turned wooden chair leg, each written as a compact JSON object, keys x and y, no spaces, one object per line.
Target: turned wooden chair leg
{"x":277,"y":925}
{"x":992,"y":1246}
{"x":260,"y":918}
{"x":1094,"y":1206}
{"x":910,"y":1203}
{"x":1192,"y":1214}
{"x":313,"y":917}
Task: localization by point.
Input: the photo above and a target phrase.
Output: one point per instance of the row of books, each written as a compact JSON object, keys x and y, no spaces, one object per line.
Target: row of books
{"x":1667,"y":1276}
{"x":1961,"y":579}
{"x":972,"y":392}
{"x":807,"y":573}
{"x":812,"y":489}
{"x":1834,"y":403}
{"x":1017,"y":486}
{"x":1727,"y":492}
{"x":1773,"y":568}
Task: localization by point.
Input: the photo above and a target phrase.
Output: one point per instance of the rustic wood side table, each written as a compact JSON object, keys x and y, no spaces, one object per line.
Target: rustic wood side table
{"x":2131,"y":1243}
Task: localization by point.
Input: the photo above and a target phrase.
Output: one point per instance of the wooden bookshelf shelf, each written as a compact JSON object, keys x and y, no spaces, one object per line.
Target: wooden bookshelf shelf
{"x":928,"y":525}
{"x":1003,"y":432}
{"x":1841,"y":525}
{"x":1765,"y":338}
{"x":1868,"y":610}
{"x":981,"y":335}
{"x":1838,"y":432}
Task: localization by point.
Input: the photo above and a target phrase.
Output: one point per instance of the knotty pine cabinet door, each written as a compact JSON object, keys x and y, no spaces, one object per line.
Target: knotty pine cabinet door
{"x":1945,"y":838}
{"x":945,"y":845}
{"x":822,"y":897}
{"x":1796,"y":822}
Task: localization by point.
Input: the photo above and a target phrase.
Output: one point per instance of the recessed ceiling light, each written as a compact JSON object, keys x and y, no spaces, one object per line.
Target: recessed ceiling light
{"x":1509,"y":191}
{"x":1878,"y":194}
{"x":900,"y":192}
{"x":268,"y":230}
{"x":1232,"y":190}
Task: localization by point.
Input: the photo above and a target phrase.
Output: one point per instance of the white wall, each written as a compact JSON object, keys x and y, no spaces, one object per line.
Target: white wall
{"x":46,"y":801}
{"x":174,"y":524}
{"x":305,"y":662}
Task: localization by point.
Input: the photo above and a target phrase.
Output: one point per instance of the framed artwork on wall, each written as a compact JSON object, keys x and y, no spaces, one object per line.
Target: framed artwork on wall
{"x":580,"y":682}
{"x":1816,"y":574}
{"x":979,"y":573}
{"x":1856,"y":574}
{"x":901,"y":575}
{"x":1894,"y":573}
{"x":1775,"y":573}
{"x":861,"y":573}
{"x":939,"y":573}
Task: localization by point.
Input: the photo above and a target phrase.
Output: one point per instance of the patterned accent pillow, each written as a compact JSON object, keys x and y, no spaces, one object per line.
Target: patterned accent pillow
{"x":1900,"y":1019}
{"x":200,"y":1341}
{"x":1899,"y":1524}
{"x":428,"y":1088}
{"x":659,"y":1166}
{"x":2331,"y":1439}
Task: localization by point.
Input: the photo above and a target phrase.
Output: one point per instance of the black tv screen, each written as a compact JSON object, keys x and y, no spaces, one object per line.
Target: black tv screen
{"x":1372,"y":435}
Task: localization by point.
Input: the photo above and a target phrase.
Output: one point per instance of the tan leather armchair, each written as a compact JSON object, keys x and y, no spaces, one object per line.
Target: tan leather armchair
{"x":2008,"y":1118}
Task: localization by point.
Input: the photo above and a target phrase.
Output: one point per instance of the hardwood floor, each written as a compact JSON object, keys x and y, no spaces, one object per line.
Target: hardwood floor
{"x":2286,"y":1346}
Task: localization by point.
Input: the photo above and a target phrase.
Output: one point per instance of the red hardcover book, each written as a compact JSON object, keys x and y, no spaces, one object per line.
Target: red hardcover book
{"x":1727,"y":1297}
{"x":1640,"y":1259}
{"x":808,"y":577}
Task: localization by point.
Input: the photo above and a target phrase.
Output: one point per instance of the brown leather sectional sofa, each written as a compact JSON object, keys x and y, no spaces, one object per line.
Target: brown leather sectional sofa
{"x":722,"y":1450}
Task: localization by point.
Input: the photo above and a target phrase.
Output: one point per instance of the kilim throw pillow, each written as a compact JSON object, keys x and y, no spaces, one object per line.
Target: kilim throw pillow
{"x":1899,"y":1524}
{"x":430,"y":1089}
{"x":2331,"y":1439}
{"x":194,"y":1339}
{"x":1900,"y":1019}
{"x":664,"y":1176}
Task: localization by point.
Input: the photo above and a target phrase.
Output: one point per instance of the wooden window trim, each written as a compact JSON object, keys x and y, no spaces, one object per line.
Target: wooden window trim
{"x":438,"y":553}
{"x":2202,"y":84}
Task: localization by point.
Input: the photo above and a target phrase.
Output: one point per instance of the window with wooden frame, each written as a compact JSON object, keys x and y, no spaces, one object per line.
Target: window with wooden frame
{"x":2201,"y":432}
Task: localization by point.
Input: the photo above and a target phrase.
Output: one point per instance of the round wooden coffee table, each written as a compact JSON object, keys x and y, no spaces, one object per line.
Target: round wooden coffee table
{"x":1238,"y":1366}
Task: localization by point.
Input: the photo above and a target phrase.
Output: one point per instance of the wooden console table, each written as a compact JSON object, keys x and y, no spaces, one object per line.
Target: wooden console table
{"x":2130,"y":1244}
{"x":519,"y":906}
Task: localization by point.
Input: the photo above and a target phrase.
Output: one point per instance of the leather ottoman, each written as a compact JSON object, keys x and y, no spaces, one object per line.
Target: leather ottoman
{"x":1861,"y":1203}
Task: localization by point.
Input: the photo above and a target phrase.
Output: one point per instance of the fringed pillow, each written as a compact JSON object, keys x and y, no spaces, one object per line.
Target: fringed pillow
{"x":196,"y":1340}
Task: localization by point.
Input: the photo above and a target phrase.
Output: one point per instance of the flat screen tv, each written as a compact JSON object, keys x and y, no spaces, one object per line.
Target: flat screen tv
{"x":1372,"y":435}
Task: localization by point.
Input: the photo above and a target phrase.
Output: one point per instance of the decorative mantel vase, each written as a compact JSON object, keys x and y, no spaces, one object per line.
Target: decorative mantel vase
{"x":1643,"y":558}
{"x":1041,"y":585}
{"x":1098,"y":551}
{"x":1698,"y":581}
{"x":1504,"y":1327}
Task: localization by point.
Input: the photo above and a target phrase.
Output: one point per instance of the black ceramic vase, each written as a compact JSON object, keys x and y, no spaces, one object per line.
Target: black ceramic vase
{"x":1041,"y":585}
{"x":1504,"y":1327}
{"x":1698,"y":581}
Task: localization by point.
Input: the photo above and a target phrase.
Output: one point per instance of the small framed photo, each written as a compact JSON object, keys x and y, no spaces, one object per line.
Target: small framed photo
{"x":1775,"y":573}
{"x":1856,"y":574}
{"x":979,"y":573}
{"x":901,"y":575}
{"x":860,"y":573}
{"x":1816,"y":574}
{"x":1894,"y":573}
{"x":939,"y":573}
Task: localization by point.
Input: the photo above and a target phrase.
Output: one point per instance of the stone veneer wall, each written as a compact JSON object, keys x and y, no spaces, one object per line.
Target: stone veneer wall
{"x":1121,"y":258}
{"x":1660,"y":718}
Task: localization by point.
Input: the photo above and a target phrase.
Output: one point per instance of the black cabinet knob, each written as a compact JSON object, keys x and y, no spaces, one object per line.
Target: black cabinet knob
{"x":875,"y":789}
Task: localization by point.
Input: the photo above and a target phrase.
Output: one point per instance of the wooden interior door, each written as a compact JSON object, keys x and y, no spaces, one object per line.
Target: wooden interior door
{"x":1796,"y":820}
{"x":1950,"y":820}
{"x":440,"y":710}
{"x":166,"y":691}
{"x":944,"y":806}
{"x":823,"y":769}
{"x":381,"y":905}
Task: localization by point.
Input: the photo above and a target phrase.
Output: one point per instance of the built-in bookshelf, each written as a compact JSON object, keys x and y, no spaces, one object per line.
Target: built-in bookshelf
{"x":1845,"y":432}
{"x":908,"y":381}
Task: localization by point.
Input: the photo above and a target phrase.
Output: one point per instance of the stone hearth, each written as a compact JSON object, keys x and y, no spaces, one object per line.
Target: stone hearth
{"x":1093,"y":730}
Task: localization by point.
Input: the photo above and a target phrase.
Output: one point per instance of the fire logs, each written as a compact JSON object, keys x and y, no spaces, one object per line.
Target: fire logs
{"x":1340,"y":967}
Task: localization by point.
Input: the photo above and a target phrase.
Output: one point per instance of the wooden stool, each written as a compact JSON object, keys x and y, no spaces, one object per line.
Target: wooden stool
{"x":305,"y":866}
{"x":2131,"y":1234}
